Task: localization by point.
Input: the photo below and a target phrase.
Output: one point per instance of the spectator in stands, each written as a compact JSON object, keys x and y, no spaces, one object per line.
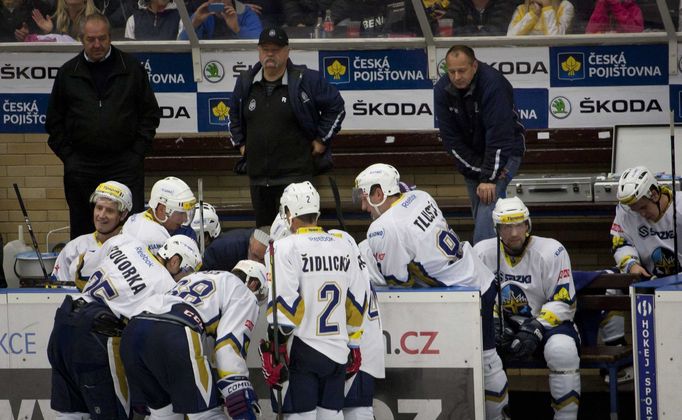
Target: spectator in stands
{"x":269,"y":11}
{"x":67,"y":19}
{"x":477,"y":119}
{"x":436,"y":10}
{"x":16,"y":21}
{"x":481,"y":17}
{"x":283,"y":119}
{"x":118,"y":12}
{"x":100,"y":81}
{"x":377,"y":17}
{"x":236,"y":21}
{"x":304,"y":12}
{"x":538,"y":311}
{"x":155,"y":20}
{"x":542,"y":17}
{"x":615,"y":16}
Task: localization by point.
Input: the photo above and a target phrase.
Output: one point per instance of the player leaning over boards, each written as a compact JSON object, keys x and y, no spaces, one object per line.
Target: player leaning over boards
{"x":643,"y":229}
{"x":538,"y":301}
{"x":87,"y":374}
{"x":321,"y":303}
{"x":419,"y":249}
{"x":112,"y":203}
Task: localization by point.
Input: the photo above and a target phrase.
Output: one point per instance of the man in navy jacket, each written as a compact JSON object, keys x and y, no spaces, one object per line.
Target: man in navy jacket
{"x":480,"y":128}
{"x":283,"y":118}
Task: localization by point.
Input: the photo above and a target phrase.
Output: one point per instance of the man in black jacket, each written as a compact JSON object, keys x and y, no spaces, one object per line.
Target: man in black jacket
{"x":283,"y":118}
{"x":101,"y":120}
{"x":480,"y":128}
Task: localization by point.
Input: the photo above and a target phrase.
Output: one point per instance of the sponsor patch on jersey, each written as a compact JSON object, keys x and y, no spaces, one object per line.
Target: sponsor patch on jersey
{"x":379,"y":233}
{"x":379,"y":256}
{"x":616,"y":228}
{"x":248,"y":324}
{"x":564,"y":274}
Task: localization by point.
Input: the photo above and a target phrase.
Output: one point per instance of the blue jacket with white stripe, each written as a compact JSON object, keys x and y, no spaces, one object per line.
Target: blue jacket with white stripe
{"x":479,"y":127}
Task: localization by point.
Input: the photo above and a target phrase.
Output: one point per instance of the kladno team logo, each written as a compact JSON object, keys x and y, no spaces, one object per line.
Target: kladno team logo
{"x":560,"y":107}
{"x":337,"y":69}
{"x":664,"y":262}
{"x":514,"y":301}
{"x":219,"y":111}
{"x":571,"y":66}
{"x":214,"y":71}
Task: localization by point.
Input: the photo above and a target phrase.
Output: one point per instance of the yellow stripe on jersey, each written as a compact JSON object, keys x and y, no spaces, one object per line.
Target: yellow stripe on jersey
{"x":212,"y":327}
{"x":550,"y":317}
{"x":356,"y":335}
{"x":416,"y":273}
{"x":617,"y":241}
{"x":120,"y":373}
{"x":312,"y":229}
{"x":230,"y":341}
{"x":625,"y":260}
{"x":149,"y":215}
{"x":294,"y":315}
{"x":355,"y":312}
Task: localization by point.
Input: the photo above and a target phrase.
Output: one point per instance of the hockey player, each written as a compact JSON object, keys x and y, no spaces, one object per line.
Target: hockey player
{"x":113,"y":201}
{"x":415,"y":247}
{"x":83,"y":346}
{"x":359,"y":398}
{"x":320,"y":304}
{"x":171,"y":205}
{"x":165,"y":359}
{"x":643,"y":230}
{"x":254,"y":275}
{"x":538,"y":301}
{"x":211,"y":223}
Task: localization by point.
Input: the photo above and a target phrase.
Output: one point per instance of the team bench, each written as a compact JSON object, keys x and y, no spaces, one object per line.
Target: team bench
{"x":591,"y":301}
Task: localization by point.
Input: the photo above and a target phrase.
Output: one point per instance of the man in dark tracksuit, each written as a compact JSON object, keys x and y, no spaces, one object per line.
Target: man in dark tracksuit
{"x":283,"y":118}
{"x":101,"y":118}
{"x":480,"y":128}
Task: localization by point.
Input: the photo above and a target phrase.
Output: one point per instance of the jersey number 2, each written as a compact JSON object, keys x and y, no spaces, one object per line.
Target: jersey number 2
{"x":330,"y":293}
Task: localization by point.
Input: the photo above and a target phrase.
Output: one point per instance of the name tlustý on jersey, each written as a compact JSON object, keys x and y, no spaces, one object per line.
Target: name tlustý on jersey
{"x":427,"y":215}
{"x":325,"y":263}
{"x":128,"y":271}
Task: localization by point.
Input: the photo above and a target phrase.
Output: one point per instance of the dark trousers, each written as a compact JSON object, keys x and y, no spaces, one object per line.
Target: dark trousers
{"x":82,"y":174}
{"x":265,"y":201}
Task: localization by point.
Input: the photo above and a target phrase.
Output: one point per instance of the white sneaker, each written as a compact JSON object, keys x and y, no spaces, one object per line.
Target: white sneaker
{"x":626,"y":374}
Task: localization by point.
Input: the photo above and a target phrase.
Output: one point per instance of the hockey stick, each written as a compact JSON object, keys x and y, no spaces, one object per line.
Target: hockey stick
{"x":499,"y":284}
{"x":337,"y":203}
{"x":275,"y":324}
{"x":30,"y":231}
{"x":672,"y":163}
{"x":202,"y":241}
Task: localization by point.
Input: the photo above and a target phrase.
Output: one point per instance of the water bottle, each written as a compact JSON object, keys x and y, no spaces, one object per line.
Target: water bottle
{"x":318,"y":32}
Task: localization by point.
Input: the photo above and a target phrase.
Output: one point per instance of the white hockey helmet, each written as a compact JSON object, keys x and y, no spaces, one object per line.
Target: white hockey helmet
{"x":211,"y":221}
{"x":634,"y":184}
{"x":279,"y":228}
{"x":255,"y":277}
{"x":175,"y":194}
{"x":114,"y":191}
{"x":384,"y":175}
{"x":299,"y":198}
{"x":509,"y":211}
{"x":186,"y":248}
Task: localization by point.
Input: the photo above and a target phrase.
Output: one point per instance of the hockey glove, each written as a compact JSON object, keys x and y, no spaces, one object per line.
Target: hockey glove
{"x":106,"y":323}
{"x":354,"y":362}
{"x":240,"y":399}
{"x":527,"y":339}
{"x":275,"y":373}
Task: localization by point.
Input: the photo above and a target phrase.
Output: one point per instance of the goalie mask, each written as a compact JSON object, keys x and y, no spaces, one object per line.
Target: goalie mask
{"x":253,"y":274}
{"x":211,"y":221}
{"x":635,"y":183}
{"x":176,"y":195}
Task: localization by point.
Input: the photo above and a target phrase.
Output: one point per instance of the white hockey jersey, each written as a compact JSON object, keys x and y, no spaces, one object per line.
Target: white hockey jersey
{"x":372,"y":341}
{"x":537,"y":284}
{"x":228,"y":309}
{"x":648,"y":242}
{"x":413,"y":245}
{"x":321,"y":292}
{"x":68,"y":260}
{"x":145,"y":228}
{"x":127,"y":276}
